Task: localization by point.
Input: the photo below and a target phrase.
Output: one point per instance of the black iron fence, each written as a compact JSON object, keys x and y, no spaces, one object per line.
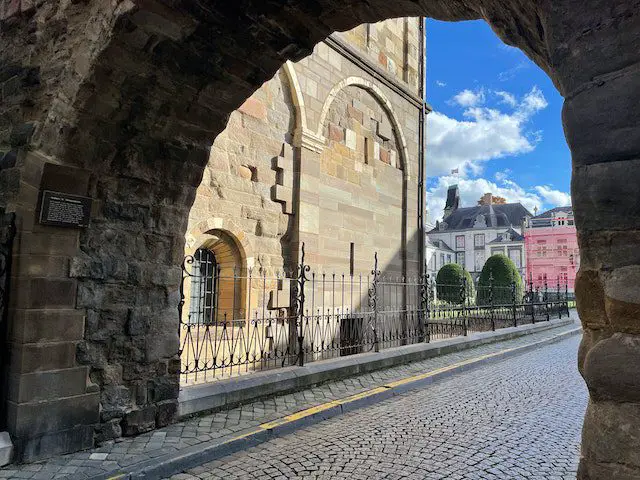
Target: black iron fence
{"x":234,"y":322}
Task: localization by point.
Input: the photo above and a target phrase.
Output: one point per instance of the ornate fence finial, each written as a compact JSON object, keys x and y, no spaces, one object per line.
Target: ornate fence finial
{"x":373,"y":301}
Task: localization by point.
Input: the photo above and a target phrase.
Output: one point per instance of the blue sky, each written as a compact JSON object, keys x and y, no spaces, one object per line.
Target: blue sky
{"x":496,"y":118}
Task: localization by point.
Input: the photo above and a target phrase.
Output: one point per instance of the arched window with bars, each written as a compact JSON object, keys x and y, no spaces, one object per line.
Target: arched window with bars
{"x":204,"y":287}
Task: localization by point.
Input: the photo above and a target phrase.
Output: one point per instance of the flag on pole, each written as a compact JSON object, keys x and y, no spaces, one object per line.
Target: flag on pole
{"x":454,"y":171}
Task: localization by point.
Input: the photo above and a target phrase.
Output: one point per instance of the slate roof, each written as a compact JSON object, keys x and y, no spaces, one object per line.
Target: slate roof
{"x":441,"y":245}
{"x":495,"y":216}
{"x":551,"y":213}
{"x":545,"y":218}
{"x":515,"y":237}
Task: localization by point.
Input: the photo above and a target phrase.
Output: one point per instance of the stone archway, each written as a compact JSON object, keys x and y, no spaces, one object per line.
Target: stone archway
{"x":121,"y":100}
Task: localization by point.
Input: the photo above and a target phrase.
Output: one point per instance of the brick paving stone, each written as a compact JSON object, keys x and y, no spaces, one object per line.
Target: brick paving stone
{"x":220,"y":425}
{"x":519,"y":418}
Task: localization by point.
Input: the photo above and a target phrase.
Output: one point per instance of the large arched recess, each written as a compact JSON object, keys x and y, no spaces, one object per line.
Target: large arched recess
{"x":133,"y":92}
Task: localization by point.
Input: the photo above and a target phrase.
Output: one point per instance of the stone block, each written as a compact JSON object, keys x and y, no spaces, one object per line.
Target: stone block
{"x":609,"y":190}
{"x":42,"y":386}
{"x":350,"y":138}
{"x":385,"y":156}
{"x":254,"y":108}
{"x":356,"y":114}
{"x":590,"y":296}
{"x":35,"y":448}
{"x":28,"y":420}
{"x":283,"y":195}
{"x":336,"y":133}
{"x":384,"y":129}
{"x":166,"y":413}
{"x":47,"y":244}
{"x":309,"y":218}
{"x":139,"y":421}
{"x":612,"y":369}
{"x":30,"y":326}
{"x":114,"y":400}
{"x":611,"y":435}
{"x":6,"y":449}
{"x":41,"y":357}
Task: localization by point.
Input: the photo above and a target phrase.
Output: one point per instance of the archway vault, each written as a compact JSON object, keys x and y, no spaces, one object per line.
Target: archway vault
{"x":120,"y":101}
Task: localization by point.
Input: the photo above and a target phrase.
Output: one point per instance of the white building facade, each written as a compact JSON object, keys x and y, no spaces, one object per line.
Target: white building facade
{"x":473,"y":234}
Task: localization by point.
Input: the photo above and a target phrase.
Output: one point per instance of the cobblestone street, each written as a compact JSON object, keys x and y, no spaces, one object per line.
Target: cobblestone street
{"x":518,"y":418}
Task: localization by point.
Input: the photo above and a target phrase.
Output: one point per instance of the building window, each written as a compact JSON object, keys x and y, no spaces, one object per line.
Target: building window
{"x":459,"y":241}
{"x":515,"y":255}
{"x":478,"y":240}
{"x":204,"y":287}
{"x":432,"y":263}
{"x":442,"y":259}
{"x":570,"y":222}
{"x":497,"y":251}
{"x":448,"y":258}
{"x":479,"y":260}
{"x":460,"y":258}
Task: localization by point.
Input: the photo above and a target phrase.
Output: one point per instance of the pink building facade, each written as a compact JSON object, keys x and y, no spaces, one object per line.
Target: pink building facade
{"x":551,"y":249}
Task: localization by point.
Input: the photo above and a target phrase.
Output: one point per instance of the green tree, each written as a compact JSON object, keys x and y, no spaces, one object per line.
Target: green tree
{"x":449,"y":282}
{"x":504,"y":273}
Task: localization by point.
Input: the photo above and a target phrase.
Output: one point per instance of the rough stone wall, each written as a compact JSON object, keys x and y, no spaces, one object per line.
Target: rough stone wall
{"x":123,"y":99}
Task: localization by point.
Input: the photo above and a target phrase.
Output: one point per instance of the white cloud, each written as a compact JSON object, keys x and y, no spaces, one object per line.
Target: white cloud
{"x":503,"y":175}
{"x":541,"y":197}
{"x":513,"y":71}
{"x":468,"y":98}
{"x":553,"y":197}
{"x":483,"y":134}
{"x":440,"y":83}
{"x":507,"y":98}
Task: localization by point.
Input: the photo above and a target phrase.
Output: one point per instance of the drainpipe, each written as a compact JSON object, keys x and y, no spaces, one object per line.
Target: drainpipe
{"x":424,"y":110}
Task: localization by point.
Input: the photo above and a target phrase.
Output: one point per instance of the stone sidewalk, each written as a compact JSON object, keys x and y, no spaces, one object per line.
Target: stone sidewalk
{"x":123,"y":454}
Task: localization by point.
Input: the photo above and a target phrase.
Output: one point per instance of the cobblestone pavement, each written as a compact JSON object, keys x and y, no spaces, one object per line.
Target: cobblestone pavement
{"x":519,"y":418}
{"x":226,"y":424}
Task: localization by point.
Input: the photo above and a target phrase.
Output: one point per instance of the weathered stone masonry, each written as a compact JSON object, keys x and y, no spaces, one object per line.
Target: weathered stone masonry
{"x":122,"y":100}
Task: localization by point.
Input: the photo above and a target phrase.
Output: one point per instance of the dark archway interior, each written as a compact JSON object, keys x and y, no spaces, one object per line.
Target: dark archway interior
{"x":132,"y":94}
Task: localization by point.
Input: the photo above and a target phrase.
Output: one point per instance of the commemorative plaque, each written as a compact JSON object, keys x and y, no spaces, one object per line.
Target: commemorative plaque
{"x":64,"y":210}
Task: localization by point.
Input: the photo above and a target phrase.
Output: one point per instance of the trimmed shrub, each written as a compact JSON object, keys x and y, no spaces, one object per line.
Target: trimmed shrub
{"x":504,"y":274}
{"x":449,"y":281}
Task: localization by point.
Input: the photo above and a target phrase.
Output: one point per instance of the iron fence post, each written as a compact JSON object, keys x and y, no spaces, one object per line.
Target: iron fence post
{"x":533,"y":308}
{"x":513,"y":301}
{"x":558,"y":301}
{"x":463,"y":298}
{"x":424,"y":307}
{"x":373,"y":301}
{"x":298,"y":295}
{"x":566,"y":295}
{"x":491,"y":306}
{"x":546,"y":300}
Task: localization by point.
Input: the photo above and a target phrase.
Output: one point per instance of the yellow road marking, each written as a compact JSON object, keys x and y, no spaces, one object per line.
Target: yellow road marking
{"x":403,"y":381}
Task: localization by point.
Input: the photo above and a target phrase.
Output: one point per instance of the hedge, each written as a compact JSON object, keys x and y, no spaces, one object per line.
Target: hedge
{"x":504,"y":274}
{"x":449,"y":281}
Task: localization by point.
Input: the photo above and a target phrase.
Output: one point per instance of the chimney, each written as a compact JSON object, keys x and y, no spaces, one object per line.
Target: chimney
{"x":453,"y":201}
{"x":487,"y":199}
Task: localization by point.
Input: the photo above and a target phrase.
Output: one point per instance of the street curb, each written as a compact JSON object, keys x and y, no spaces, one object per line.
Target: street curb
{"x":173,"y":463}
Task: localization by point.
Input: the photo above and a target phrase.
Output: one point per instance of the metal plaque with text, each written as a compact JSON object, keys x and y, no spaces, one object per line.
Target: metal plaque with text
{"x":65,"y":210}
